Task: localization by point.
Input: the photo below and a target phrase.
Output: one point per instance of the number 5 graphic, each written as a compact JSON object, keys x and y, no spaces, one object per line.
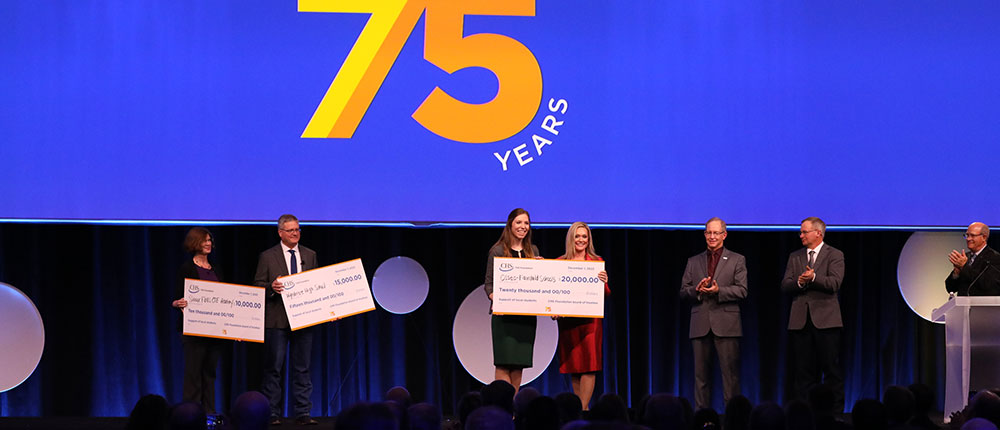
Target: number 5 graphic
{"x":391,"y":22}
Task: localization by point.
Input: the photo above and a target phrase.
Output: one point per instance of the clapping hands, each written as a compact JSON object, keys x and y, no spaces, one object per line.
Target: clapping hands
{"x":707,"y":286}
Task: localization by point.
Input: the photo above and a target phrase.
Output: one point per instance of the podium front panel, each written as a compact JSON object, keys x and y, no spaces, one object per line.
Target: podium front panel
{"x":984,"y":347}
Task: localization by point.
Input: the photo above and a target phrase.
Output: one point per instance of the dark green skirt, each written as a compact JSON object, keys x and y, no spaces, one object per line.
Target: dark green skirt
{"x":513,"y":340}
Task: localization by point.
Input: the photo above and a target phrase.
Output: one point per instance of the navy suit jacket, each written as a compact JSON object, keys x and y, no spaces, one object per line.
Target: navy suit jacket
{"x":985,"y":268}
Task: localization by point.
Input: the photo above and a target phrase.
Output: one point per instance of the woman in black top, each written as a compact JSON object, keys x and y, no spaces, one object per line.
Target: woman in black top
{"x":201,"y":354}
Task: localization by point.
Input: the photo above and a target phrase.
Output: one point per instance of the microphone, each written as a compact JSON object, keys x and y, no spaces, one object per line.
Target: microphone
{"x":989,"y":265}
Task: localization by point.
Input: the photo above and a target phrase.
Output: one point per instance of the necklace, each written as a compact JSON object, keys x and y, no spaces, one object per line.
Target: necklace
{"x":203,"y":263}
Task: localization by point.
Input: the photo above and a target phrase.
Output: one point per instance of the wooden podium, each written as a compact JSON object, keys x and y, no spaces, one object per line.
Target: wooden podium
{"x":972,"y":347}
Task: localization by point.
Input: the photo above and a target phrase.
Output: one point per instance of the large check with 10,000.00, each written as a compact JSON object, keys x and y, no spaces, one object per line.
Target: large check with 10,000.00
{"x":325,"y":294}
{"x":568,"y":288}
{"x":225,"y":311}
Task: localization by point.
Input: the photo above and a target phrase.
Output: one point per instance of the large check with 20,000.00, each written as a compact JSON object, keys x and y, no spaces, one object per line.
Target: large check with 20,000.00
{"x":326,"y":294}
{"x":225,"y":311}
{"x":567,"y":288}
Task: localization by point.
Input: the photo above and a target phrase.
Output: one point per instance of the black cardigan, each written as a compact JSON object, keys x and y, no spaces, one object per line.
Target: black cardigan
{"x":190,"y":271}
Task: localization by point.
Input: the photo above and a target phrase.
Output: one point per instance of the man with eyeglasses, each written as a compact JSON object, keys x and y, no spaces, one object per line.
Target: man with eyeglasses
{"x":715,"y":281}
{"x":813,"y":277}
{"x":287,"y":257}
{"x":975,"y":273}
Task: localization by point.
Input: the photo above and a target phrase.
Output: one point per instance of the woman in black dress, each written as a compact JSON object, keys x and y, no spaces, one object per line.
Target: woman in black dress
{"x":513,"y":335}
{"x":201,"y":354}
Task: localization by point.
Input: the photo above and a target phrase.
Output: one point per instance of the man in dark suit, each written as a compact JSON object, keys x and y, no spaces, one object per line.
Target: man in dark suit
{"x":715,"y":281}
{"x":975,"y":273}
{"x":288,"y":257}
{"x":813,"y":277}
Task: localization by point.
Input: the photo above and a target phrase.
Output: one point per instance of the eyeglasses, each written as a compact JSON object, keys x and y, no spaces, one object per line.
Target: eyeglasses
{"x":714,"y":233}
{"x":968,"y":235}
{"x":803,"y":232}
{"x":290,"y":230}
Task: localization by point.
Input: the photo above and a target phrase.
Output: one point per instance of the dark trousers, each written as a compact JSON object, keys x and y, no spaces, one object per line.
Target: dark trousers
{"x":201,"y":357}
{"x":276,"y":344}
{"x":728,"y":349}
{"x":817,"y":353}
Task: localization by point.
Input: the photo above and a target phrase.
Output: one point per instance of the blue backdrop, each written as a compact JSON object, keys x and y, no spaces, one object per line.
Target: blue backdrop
{"x":868,"y":113}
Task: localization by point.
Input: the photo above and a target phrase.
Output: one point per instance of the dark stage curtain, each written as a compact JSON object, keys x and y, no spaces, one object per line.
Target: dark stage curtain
{"x":104,"y":293}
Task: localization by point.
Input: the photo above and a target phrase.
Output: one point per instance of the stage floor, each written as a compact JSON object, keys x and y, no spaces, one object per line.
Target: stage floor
{"x":113,"y":423}
{"x":118,"y":423}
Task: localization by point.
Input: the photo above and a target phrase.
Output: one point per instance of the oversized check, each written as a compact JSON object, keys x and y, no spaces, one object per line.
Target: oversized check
{"x":326,"y":294}
{"x":225,"y":311}
{"x":569,"y":288}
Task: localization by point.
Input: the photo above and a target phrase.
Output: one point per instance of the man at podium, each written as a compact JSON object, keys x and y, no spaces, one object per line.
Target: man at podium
{"x":975,"y":272}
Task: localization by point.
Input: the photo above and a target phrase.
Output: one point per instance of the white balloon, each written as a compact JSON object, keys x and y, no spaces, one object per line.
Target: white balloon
{"x":22,"y":338}
{"x":400,"y":285}
{"x":473,"y":339}
{"x":923,"y":266}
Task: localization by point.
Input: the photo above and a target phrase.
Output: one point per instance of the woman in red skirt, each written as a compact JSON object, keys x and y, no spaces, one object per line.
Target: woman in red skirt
{"x":580,"y":339}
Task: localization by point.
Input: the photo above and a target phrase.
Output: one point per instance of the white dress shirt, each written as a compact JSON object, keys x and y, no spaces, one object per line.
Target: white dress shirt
{"x":288,"y":257}
{"x":815,"y":258}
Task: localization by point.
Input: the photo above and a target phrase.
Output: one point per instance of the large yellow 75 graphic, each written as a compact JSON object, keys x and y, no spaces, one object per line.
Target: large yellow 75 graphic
{"x":391,"y":22}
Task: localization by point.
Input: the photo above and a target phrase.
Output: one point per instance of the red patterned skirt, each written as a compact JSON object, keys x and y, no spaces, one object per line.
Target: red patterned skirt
{"x":580,"y":341}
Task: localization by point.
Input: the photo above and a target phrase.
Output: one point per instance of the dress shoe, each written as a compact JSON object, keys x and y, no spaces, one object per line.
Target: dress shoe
{"x":275,"y":421}
{"x":306,"y":421}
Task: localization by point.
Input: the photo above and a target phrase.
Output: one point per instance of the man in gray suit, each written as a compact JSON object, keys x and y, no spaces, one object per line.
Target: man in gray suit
{"x":813,"y":277}
{"x":715,"y":281}
{"x":288,"y":257}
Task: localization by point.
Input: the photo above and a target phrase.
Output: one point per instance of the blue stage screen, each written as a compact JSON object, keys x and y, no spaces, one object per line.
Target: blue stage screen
{"x":862,"y":113}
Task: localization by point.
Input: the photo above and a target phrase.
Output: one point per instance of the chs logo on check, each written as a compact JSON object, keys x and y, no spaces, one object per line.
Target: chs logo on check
{"x":288,"y":284}
{"x":506,"y":267}
{"x":193,"y":289}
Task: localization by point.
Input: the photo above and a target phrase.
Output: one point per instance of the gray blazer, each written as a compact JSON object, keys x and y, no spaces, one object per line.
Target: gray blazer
{"x":271,"y":265}
{"x":818,"y":298}
{"x":718,"y":313}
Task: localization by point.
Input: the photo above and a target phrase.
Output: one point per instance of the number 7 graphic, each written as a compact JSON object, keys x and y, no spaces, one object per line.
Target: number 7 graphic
{"x":378,"y":46}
